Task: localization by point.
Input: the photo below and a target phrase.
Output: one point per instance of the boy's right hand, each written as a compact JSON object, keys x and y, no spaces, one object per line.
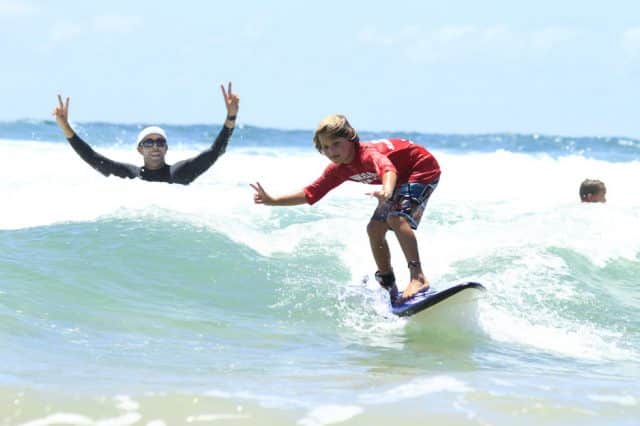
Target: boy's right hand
{"x":261,"y":196}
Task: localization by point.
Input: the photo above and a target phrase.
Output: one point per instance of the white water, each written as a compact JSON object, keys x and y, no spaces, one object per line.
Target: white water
{"x":489,"y":208}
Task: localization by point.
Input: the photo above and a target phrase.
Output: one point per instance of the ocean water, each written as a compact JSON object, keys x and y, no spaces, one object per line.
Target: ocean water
{"x":125,"y":302}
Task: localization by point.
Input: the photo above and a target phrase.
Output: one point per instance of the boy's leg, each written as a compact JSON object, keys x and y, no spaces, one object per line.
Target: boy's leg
{"x":409,"y":246}
{"x":409,"y":202}
{"x":377,"y":230}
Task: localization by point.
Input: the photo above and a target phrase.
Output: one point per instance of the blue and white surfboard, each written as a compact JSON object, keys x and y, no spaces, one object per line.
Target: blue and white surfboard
{"x":431,"y":298}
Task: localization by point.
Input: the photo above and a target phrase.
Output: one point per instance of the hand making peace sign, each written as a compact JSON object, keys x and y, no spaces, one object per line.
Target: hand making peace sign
{"x":231,"y":101}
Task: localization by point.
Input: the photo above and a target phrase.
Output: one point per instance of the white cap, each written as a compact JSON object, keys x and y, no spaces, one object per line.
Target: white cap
{"x":151,"y":130}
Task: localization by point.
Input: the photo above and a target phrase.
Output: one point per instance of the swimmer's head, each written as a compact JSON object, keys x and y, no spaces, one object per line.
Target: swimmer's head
{"x":152,"y":145}
{"x":593,"y":191}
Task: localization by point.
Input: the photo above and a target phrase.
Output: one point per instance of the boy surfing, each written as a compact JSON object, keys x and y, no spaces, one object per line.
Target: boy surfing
{"x":408,"y":173}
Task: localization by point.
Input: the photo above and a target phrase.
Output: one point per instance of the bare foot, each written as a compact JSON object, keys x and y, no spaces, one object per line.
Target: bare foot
{"x":416,"y":285}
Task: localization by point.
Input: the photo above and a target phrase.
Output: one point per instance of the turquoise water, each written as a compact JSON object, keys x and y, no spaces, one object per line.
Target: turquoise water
{"x":127,"y":302}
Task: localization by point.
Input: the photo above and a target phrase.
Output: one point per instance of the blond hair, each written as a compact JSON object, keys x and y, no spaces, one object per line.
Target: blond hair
{"x":334,"y":126}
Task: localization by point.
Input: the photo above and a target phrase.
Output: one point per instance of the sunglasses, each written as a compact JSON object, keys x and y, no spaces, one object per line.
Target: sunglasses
{"x":149,"y":143}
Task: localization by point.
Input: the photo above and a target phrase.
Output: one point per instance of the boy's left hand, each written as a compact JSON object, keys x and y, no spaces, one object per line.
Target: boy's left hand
{"x":382,"y":195}
{"x":386,"y":191}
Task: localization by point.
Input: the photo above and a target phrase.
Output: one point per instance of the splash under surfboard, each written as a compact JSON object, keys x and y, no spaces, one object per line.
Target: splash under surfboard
{"x":430,"y":298}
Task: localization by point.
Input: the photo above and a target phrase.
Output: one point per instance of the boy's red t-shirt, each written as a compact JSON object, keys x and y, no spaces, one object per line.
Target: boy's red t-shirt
{"x":411,"y":162}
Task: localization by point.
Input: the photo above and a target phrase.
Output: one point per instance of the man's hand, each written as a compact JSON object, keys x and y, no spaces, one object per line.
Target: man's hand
{"x":231,"y":102}
{"x":61,"y":112}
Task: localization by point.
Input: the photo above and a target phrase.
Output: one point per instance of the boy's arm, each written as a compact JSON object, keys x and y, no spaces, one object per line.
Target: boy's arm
{"x":388,"y":174}
{"x":261,"y":197}
{"x":308,"y":195}
{"x":389,"y":180}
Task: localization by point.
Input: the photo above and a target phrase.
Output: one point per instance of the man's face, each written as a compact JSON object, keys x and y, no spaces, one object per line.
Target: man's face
{"x":153,"y":148}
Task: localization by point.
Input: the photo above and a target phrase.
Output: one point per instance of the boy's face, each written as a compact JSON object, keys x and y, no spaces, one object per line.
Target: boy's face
{"x":338,"y":150}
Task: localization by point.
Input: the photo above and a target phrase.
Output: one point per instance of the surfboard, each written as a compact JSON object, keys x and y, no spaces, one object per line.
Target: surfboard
{"x":431,"y":298}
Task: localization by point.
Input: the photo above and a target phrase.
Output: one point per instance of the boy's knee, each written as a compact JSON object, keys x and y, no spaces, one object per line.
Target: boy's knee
{"x":376,"y":228}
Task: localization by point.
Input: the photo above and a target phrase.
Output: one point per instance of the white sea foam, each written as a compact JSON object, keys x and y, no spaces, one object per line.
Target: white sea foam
{"x":418,"y":388}
{"x":126,"y":403}
{"x":80,"y":420}
{"x":622,"y":400}
{"x":61,"y":418}
{"x":216,"y":417}
{"x":330,"y":414}
{"x":501,"y":212}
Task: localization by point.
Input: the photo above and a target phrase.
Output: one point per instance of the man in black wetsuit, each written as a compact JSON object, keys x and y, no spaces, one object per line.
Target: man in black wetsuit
{"x":152,"y":145}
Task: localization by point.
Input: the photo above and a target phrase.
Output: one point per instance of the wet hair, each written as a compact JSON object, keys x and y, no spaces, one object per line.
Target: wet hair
{"x":334,"y":126}
{"x":591,"y":186}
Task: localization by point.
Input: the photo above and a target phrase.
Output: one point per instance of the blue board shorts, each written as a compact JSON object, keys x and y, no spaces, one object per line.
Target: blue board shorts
{"x":408,"y":200}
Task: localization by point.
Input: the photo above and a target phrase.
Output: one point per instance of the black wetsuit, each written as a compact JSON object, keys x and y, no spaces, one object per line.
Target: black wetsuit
{"x":183,"y":172}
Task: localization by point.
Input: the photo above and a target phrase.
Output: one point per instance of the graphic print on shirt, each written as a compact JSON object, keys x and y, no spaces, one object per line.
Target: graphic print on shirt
{"x":387,"y":142}
{"x":365,"y":177}
{"x":370,"y":177}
